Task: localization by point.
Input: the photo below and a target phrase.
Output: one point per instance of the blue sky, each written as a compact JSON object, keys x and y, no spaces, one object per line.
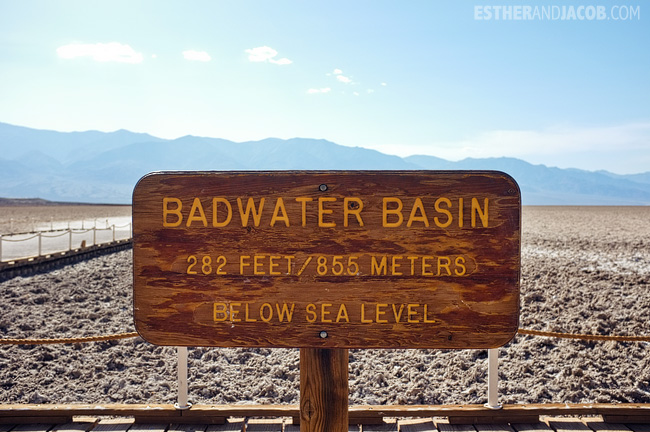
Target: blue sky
{"x":402,"y":77}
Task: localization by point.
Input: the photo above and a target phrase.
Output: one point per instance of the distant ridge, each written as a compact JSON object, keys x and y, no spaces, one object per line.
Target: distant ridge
{"x":99,"y":167}
{"x":39,"y":202}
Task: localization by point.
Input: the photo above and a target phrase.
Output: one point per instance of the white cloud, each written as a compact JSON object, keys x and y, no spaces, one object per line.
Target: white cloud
{"x":344,"y":79}
{"x":266,"y":54}
{"x":320,"y":90}
{"x":337,"y":72}
{"x":101,"y":52}
{"x":383,"y":84}
{"x":194,"y":55}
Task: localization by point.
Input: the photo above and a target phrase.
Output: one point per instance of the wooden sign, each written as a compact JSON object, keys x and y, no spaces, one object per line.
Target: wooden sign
{"x":359,"y":259}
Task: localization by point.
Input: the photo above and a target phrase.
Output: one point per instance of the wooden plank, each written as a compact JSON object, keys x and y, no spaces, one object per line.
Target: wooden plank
{"x":233,"y":424}
{"x":566,"y":424}
{"x":114,"y":425}
{"x":75,"y":426}
{"x":599,"y":425}
{"x":264,"y":425}
{"x":389,"y":425}
{"x":447,"y":427}
{"x":323,"y":390}
{"x":148,"y":427}
{"x":627,"y":419}
{"x":639,"y":427}
{"x":294,"y":259}
{"x":185,"y":427}
{"x":503,"y":427}
{"x":6,"y":427}
{"x":33,"y":427}
{"x":531,"y":427}
{"x":416,"y":425}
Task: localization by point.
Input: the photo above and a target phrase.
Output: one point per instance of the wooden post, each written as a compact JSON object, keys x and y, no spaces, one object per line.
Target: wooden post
{"x":323,"y":390}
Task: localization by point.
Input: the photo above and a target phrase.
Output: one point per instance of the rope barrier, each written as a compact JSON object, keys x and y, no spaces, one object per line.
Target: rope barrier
{"x":584,"y":336}
{"x":68,"y":340}
{"x":19,"y":240}
{"x":520,"y":331}
{"x":54,"y":236}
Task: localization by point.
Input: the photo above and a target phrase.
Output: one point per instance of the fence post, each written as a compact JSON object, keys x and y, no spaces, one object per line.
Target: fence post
{"x":182,"y":403}
{"x":0,"y":247}
{"x":69,"y":238}
{"x":493,"y":379}
{"x":113,"y":233}
{"x":94,"y":234}
{"x":39,"y":243}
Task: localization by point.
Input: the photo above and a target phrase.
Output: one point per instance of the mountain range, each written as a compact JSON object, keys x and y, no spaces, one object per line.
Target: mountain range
{"x":101,"y":167}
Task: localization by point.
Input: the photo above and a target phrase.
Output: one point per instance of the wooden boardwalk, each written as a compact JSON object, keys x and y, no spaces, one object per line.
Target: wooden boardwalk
{"x":285,"y":418}
{"x":550,"y":424}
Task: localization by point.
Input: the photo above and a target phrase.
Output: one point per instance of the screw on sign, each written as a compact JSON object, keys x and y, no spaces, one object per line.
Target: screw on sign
{"x":327,"y":260}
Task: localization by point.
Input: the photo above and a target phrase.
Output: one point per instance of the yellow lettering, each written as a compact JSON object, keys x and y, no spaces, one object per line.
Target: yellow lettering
{"x":460,"y":264}
{"x":324,"y":312}
{"x":426,"y":318}
{"x":380,"y":312}
{"x":443,"y":211}
{"x":273,"y":265}
{"x":377,"y":269}
{"x":417,"y":207}
{"x":396,"y":211}
{"x":257,"y":265}
{"x":279,"y":208}
{"x":447,"y":263}
{"x":394,"y":266}
{"x":215,"y":206}
{"x":311,"y":313}
{"x":482,"y":213}
{"x":426,"y":266}
{"x":219,"y":312}
{"x":196,"y":206}
{"x":269,"y":314}
{"x":412,"y":259}
{"x":167,"y":211}
{"x":410,"y":312}
{"x":234,"y":312}
{"x":460,"y":213}
{"x":363,"y":315}
{"x":243,"y":264}
{"x":289,"y":259}
{"x":303,"y":202}
{"x":250,"y":208}
{"x":323,"y":211}
{"x":352,"y":206}
{"x":343,"y":314}
{"x":285,"y":312}
{"x":397,"y":314}
{"x":246,"y":315}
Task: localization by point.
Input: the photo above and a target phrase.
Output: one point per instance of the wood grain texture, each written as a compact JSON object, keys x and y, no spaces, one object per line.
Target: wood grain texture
{"x":323,"y":390}
{"x":442,"y":272}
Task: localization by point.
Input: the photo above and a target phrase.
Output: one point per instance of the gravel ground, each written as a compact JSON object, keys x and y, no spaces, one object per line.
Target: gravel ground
{"x":584,"y":270}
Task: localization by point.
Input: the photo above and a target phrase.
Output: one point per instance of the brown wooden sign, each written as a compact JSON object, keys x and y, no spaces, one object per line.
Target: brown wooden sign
{"x":359,"y":259}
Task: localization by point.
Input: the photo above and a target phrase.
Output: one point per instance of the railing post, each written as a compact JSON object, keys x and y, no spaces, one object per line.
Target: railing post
{"x":94,"y":234}
{"x":113,"y":232}
{"x":69,"y":238}
{"x":182,"y":403}
{"x":493,"y":379}
{"x":0,"y":247}
{"x":40,"y":243}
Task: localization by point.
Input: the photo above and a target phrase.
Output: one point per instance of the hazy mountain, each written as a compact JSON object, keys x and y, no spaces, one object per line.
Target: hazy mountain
{"x":104,"y":167}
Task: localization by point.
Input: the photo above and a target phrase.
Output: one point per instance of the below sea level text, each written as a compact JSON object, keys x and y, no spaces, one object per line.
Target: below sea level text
{"x":365,"y":313}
